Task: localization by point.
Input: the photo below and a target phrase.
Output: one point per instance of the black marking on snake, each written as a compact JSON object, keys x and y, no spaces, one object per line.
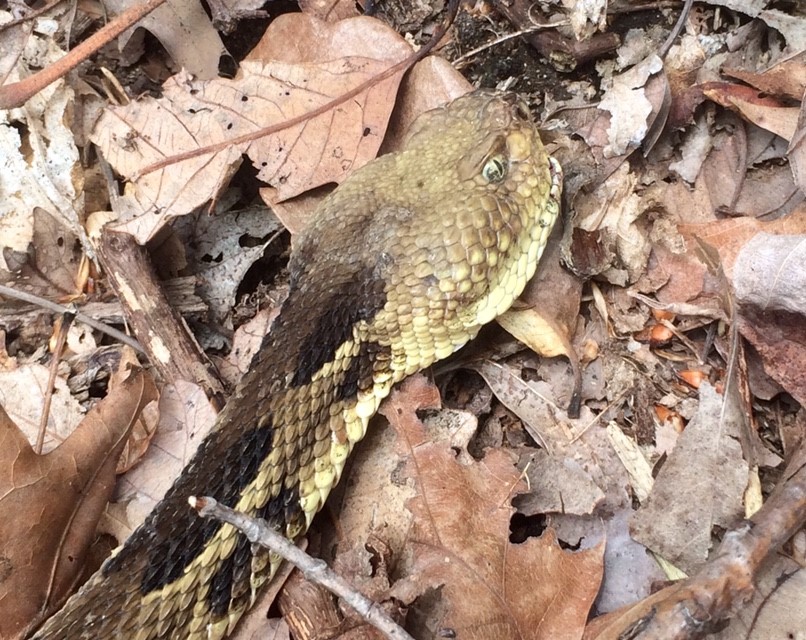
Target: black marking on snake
{"x":342,"y":308}
{"x":235,"y":570}
{"x":207,"y":474}
{"x":359,"y":373}
{"x":221,"y":585}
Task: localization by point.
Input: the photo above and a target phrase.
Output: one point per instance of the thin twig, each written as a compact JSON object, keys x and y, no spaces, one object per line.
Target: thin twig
{"x":60,"y":308}
{"x":58,"y":349}
{"x":314,"y":569}
{"x":403,"y":65}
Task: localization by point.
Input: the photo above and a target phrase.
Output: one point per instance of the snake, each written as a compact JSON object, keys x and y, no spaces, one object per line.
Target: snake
{"x":400,"y":266}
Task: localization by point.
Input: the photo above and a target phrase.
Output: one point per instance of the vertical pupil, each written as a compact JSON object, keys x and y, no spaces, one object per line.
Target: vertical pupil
{"x":494,"y":170}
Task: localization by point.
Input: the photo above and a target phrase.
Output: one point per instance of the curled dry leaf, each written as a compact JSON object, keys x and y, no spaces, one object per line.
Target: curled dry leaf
{"x":56,"y":500}
{"x":548,"y":329}
{"x":275,"y":83}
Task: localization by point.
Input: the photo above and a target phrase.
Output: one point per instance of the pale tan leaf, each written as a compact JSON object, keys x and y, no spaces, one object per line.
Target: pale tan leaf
{"x":700,"y":486}
{"x":184,"y":29}
{"x":275,"y":83}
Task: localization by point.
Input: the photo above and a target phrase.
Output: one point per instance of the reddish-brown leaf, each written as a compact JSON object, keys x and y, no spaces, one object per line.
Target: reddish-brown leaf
{"x":56,"y":500}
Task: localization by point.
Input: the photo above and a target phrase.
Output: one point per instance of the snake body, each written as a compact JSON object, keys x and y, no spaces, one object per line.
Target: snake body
{"x":401,"y":265}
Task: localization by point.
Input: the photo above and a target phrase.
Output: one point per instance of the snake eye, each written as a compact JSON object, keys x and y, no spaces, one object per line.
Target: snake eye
{"x":495,"y":168}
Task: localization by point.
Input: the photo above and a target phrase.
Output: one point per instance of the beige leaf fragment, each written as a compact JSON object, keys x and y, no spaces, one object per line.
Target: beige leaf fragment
{"x":275,"y":82}
{"x":545,"y":316}
{"x":431,"y":83}
{"x":186,"y":416}
{"x":534,"y":330}
{"x":586,"y":18}
{"x":633,"y":460}
{"x":797,"y":150}
{"x":629,"y":107}
{"x":22,"y":393}
{"x":700,"y":486}
{"x":184,"y":29}
{"x":557,"y":484}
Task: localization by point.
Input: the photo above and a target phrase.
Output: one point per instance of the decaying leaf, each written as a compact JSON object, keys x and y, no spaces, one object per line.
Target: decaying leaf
{"x":700,"y":486}
{"x":186,"y":416}
{"x":41,"y":167}
{"x":460,"y":542}
{"x":771,"y":293}
{"x":184,"y":29}
{"x":56,"y":500}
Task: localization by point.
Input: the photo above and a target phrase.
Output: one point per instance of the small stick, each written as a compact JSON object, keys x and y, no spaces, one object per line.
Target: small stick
{"x":61,"y":339}
{"x":80,"y":317}
{"x":314,"y":569}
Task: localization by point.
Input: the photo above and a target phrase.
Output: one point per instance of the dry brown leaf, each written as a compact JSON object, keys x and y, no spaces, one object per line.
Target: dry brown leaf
{"x":771,"y":293}
{"x":546,"y":313}
{"x":729,"y":236}
{"x":49,"y":266}
{"x":275,"y":82}
{"x":460,"y":541}
{"x":700,"y":486}
{"x":431,"y":83}
{"x":759,"y":109}
{"x":785,"y":78}
{"x":56,"y":500}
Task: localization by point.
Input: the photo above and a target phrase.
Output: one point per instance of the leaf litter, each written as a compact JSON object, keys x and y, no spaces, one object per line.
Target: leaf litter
{"x":685,"y":201}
